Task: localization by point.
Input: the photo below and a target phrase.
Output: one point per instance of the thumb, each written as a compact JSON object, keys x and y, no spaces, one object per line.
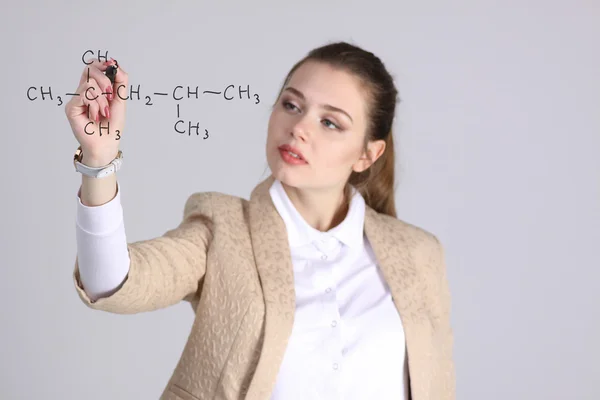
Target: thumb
{"x":120,"y":85}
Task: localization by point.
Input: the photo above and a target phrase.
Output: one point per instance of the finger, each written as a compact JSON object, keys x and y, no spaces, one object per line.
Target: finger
{"x":91,"y":71}
{"x":121,"y":82}
{"x":76,"y":108}
{"x":86,"y":100}
{"x":102,"y":82}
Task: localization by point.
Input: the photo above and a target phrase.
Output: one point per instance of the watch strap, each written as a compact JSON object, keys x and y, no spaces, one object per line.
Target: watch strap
{"x":97,"y":172}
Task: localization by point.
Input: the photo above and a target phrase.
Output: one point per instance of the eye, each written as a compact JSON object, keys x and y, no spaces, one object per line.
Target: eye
{"x":288,"y":105}
{"x":328,"y":123}
{"x":334,"y":125}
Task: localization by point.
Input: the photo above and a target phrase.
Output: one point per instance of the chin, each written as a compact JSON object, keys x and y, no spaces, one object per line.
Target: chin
{"x":287,"y":175}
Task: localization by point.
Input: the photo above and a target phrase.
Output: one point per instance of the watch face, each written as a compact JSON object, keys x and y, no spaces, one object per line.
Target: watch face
{"x":78,"y":155}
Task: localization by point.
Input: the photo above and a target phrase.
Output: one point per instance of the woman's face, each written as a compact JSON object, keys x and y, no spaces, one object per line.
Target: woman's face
{"x":322,"y":113}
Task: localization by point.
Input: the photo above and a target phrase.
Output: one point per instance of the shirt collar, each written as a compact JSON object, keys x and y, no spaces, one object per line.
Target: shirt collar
{"x":349,"y":231}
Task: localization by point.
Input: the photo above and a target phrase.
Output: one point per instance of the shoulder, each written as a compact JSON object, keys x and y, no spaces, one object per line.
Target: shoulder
{"x":418,"y":236}
{"x":417,"y":242}
{"x":210,"y":203}
{"x":427,"y":251}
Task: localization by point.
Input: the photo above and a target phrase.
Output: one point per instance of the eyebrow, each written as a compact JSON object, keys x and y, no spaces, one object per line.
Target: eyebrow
{"x":326,"y":106}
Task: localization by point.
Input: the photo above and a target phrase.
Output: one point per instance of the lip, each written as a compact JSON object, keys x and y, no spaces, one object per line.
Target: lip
{"x":287,"y":147}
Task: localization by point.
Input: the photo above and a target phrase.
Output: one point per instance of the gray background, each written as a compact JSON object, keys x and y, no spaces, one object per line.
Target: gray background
{"x":497,"y":143}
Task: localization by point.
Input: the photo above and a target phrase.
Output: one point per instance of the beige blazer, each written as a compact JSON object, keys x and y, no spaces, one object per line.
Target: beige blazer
{"x":230,"y":258}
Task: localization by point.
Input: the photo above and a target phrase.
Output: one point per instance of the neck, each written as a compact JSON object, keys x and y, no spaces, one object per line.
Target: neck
{"x":321,"y":209}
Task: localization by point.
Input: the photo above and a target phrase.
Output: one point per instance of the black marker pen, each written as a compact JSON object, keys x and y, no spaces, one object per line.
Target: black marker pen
{"x":111,"y":72}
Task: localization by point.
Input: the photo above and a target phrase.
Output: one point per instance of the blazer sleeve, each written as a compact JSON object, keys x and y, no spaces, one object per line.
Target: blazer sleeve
{"x":163,"y":270}
{"x":443,"y":332}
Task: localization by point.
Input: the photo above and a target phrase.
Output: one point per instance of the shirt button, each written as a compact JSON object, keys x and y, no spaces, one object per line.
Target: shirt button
{"x":328,"y":290}
{"x":324,"y":257}
{"x":335,"y":366}
{"x":333,"y":323}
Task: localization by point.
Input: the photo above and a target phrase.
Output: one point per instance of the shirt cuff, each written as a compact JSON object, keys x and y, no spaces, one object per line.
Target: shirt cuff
{"x":102,"y":219}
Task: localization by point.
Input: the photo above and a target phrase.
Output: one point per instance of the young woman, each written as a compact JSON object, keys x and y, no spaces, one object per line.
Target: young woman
{"x":313,"y":288}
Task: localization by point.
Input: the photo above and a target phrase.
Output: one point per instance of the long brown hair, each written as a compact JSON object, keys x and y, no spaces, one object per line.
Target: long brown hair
{"x":376,"y":183}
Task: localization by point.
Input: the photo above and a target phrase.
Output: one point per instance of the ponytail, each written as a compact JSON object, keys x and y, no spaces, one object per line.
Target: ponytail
{"x":377,"y":183}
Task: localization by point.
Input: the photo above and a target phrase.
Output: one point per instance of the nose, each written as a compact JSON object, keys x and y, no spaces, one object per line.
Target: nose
{"x":300,"y":130}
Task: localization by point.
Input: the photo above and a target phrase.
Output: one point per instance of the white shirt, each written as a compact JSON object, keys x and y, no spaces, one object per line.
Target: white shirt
{"x":101,"y":246}
{"x":347,"y":341}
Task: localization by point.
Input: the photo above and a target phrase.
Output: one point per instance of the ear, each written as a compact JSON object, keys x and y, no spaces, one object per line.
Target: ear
{"x":374,"y":149}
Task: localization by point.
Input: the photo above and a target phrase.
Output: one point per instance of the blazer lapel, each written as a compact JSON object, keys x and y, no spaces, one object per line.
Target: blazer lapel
{"x":274,"y":265}
{"x":395,"y":252}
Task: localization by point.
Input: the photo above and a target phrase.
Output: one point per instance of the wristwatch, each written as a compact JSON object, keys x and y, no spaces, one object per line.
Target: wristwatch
{"x":97,"y":172}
